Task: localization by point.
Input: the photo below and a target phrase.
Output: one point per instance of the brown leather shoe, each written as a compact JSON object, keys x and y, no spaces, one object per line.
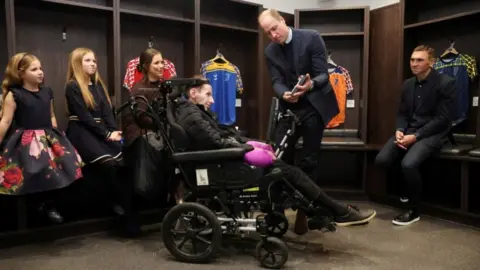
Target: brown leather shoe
{"x":301,"y":224}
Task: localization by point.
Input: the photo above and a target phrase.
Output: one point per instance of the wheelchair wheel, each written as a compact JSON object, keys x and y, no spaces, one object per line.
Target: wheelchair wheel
{"x":272,"y":253}
{"x":277,"y":224}
{"x":191,"y":233}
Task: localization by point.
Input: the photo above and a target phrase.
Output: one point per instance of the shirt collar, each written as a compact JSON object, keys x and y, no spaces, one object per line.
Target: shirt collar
{"x":428,"y":78}
{"x":290,"y":34}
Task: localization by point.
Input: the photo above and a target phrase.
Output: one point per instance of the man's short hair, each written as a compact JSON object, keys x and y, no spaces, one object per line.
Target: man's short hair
{"x":426,"y":48}
{"x":272,"y":12}
{"x":202,"y":81}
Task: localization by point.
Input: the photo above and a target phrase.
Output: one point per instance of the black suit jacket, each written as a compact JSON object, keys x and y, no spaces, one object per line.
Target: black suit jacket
{"x":433,"y":110}
{"x":309,"y":53}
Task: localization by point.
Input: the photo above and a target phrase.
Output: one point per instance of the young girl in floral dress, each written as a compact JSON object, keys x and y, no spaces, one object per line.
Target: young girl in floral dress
{"x":37,"y":156}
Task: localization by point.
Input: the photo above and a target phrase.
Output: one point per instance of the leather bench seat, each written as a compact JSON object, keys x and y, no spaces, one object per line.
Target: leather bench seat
{"x":337,"y":137}
{"x":342,"y":141}
{"x":463,"y":144}
{"x":455,"y":150}
{"x":474,"y":153}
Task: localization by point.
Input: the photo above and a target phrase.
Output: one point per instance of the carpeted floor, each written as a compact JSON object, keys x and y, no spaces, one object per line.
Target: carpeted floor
{"x":429,"y":244}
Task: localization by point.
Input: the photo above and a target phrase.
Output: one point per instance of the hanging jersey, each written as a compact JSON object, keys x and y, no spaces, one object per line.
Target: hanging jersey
{"x":348,"y":79}
{"x":226,"y":83}
{"x":342,"y":86}
{"x":132,"y":75}
{"x":463,"y":69}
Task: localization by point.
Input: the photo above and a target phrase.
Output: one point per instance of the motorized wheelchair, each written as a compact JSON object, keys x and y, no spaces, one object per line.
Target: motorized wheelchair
{"x":225,"y":195}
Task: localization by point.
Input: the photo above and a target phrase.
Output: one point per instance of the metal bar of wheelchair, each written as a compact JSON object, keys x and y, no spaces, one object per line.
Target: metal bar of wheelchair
{"x":272,"y":119}
{"x":283,"y":144}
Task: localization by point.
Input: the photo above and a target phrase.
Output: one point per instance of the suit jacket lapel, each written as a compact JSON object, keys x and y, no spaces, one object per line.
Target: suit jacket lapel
{"x":296,"y":43}
{"x":279,"y":58}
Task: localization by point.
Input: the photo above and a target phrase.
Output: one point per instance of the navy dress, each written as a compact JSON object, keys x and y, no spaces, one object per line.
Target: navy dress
{"x":36,"y":157}
{"x":88,"y":129}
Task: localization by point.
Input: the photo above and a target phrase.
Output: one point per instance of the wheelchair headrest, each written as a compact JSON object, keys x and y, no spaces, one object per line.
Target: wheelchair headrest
{"x":176,"y":93}
{"x":178,"y":135}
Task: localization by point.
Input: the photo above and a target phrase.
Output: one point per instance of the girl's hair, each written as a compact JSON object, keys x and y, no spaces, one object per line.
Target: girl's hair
{"x":146,"y":58}
{"x":76,"y":73}
{"x":15,"y":67}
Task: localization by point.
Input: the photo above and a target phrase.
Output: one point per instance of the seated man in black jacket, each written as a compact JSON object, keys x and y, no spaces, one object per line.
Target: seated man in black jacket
{"x":205,"y":134}
{"x":423,"y":122}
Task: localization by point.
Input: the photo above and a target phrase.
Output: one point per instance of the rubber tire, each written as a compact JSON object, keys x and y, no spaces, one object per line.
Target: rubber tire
{"x":173,"y":215}
{"x":279,"y":244}
{"x":284,"y":220}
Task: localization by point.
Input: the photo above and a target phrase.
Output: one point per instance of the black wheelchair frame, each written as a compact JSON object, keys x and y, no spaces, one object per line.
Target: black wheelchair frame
{"x":225,"y":186}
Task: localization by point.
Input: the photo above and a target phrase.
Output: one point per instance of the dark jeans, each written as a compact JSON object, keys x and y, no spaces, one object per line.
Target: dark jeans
{"x":299,"y":180}
{"x":410,"y":159}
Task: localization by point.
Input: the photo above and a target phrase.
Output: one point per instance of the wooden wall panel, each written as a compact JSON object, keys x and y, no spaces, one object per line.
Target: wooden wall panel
{"x":384,"y":75}
{"x":42,"y":36}
{"x":3,"y":38}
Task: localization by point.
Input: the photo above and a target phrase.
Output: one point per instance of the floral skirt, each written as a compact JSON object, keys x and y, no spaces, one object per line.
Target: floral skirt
{"x":38,"y":160}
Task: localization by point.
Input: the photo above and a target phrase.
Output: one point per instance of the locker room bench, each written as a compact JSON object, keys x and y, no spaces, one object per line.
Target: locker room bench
{"x":474,"y":153}
{"x":338,"y":137}
{"x":459,"y":144}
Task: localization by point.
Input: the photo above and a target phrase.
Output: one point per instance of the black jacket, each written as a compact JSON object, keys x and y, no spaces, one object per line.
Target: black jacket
{"x":310,"y":57}
{"x":202,"y":129}
{"x":433,"y":110}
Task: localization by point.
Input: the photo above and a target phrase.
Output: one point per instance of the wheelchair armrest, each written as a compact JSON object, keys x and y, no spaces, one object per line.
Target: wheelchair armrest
{"x":209,"y":155}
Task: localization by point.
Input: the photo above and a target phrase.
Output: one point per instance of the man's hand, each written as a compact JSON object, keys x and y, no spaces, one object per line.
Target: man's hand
{"x":399,"y":135}
{"x":301,"y":89}
{"x":404,"y":141}
{"x":408,"y":140}
{"x":398,"y":138}
{"x":288,"y":97}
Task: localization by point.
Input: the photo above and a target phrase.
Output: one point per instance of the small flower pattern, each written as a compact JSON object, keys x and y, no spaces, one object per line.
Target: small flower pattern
{"x":49,"y":149}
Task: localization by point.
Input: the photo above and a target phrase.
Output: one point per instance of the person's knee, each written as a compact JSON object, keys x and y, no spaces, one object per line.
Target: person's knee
{"x":384,"y":160}
{"x":409,"y":165}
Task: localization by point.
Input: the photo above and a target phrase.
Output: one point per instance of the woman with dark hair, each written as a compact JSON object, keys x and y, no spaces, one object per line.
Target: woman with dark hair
{"x":151,"y":65}
{"x":143,"y":145}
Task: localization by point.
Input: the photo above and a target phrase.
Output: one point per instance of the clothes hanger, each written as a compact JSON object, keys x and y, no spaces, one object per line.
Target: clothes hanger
{"x":450,"y":50}
{"x":151,"y":42}
{"x":330,"y":61}
{"x":219,"y":58}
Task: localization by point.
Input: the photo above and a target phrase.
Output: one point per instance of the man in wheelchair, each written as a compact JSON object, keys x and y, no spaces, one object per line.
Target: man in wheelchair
{"x":205,"y":134}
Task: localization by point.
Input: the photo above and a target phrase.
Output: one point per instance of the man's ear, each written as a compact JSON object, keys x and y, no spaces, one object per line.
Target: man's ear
{"x":192,"y":91}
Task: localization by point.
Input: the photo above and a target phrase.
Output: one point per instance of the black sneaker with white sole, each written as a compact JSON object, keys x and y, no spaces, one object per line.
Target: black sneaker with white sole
{"x":404,"y":199}
{"x":406,"y":218}
{"x":355,"y":217}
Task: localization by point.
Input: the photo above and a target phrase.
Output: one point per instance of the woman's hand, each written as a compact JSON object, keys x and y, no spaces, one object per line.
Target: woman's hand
{"x":115,"y":136}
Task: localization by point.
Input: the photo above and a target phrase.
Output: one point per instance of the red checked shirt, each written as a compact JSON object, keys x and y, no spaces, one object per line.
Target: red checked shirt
{"x":132,"y":76}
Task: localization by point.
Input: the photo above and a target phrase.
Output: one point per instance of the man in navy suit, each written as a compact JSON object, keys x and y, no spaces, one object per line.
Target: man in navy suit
{"x":292,"y":53}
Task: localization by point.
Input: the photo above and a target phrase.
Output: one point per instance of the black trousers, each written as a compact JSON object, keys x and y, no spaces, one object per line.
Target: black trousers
{"x":410,"y":161}
{"x":299,"y":180}
{"x":311,"y":129}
